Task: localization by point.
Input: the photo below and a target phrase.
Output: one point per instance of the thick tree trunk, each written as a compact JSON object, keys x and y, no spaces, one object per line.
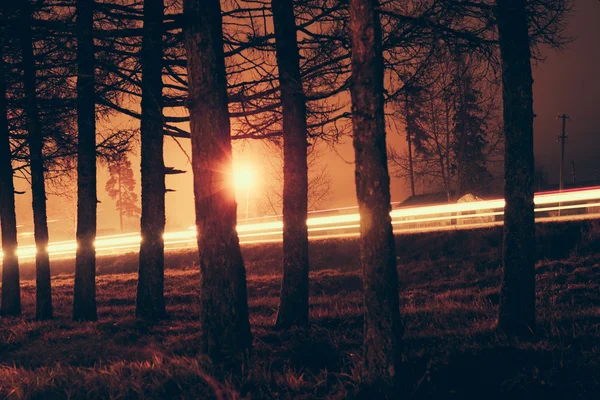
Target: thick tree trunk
{"x":11,"y":291}
{"x":38,"y":187}
{"x":150,"y":302}
{"x":383,"y":326}
{"x":293,"y":304}
{"x":224,"y":326}
{"x":517,"y":296}
{"x":84,"y":295}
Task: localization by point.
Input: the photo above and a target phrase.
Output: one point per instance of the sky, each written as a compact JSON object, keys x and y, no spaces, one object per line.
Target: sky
{"x":566,"y":82}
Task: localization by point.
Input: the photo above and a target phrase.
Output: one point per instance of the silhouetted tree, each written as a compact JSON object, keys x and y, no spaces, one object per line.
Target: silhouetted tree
{"x":35,"y":138}
{"x":11,"y":291}
{"x":471,"y":138}
{"x":84,"y":295}
{"x":224,"y":324}
{"x":121,"y":187}
{"x":293,"y":303}
{"x":383,"y":326}
{"x":150,"y":301}
{"x":453,"y":122}
{"x":517,"y":296}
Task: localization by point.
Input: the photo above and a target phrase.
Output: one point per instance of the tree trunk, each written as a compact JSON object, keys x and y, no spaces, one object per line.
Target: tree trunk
{"x":409,"y":143}
{"x":84,"y":294}
{"x":120,"y":197}
{"x":150,"y":302}
{"x":38,"y":187}
{"x":517,"y":297}
{"x":383,"y":326}
{"x":293,"y":303}
{"x":11,"y":291}
{"x":224,"y":326}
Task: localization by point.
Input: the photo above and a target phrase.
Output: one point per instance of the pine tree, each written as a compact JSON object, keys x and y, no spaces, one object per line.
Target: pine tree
{"x":120,"y":186}
{"x":517,"y":295}
{"x":224,"y":326}
{"x":11,"y":291}
{"x":150,"y":300}
{"x":383,"y":326}
{"x":84,"y":294}
{"x":293,"y":304}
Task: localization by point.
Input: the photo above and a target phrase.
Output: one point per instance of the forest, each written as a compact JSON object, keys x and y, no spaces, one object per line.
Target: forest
{"x":455,"y":75}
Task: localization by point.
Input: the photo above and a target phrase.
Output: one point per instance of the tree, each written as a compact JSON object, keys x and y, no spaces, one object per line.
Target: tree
{"x":451,"y":117}
{"x":150,"y":300}
{"x":516,"y":315}
{"x":293,"y":303}
{"x":121,"y":187}
{"x":471,"y":137}
{"x":383,"y":326}
{"x":35,"y":138}
{"x":224,"y":325}
{"x":11,"y":291}
{"x":320,"y":180}
{"x":84,"y":294}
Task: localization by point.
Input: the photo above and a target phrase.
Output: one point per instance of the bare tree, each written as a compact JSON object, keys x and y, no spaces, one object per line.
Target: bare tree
{"x":517,"y":296}
{"x":293,"y":302}
{"x":383,"y":326}
{"x":84,"y":295}
{"x":150,"y":301}
{"x":319,"y":179}
{"x":224,"y":324}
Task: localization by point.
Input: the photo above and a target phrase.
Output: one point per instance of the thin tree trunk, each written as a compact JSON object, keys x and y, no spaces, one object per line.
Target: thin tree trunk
{"x":409,"y":142}
{"x":440,"y":155}
{"x":517,"y":297}
{"x":11,"y":291}
{"x":383,"y":326}
{"x":224,"y":325}
{"x":84,"y":294}
{"x":38,"y":188}
{"x":293,"y":303}
{"x":447,"y":112}
{"x":150,"y":302}
{"x":120,"y":196}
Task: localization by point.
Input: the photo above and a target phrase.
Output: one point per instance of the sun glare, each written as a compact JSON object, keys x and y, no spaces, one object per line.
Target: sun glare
{"x":243,"y":178}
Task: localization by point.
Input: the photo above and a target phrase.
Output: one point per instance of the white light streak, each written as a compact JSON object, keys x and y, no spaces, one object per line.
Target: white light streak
{"x":323,"y":226}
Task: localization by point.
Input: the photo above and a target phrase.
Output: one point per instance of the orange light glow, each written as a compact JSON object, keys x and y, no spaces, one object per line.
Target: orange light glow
{"x":258,"y":230}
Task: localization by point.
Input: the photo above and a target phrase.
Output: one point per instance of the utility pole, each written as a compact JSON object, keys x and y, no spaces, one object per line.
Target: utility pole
{"x":573,"y":173}
{"x":562,"y":137}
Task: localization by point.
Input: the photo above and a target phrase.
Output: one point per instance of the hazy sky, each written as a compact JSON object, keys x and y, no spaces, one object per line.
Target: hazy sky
{"x":566,"y":82}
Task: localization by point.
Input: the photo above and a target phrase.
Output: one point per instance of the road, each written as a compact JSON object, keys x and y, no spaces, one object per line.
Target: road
{"x":344,"y":222}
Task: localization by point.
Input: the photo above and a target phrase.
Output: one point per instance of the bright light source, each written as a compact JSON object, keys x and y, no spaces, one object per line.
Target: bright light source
{"x":243,"y":178}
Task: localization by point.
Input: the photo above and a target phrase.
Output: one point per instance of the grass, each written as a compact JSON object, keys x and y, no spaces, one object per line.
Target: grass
{"x":449,"y":295}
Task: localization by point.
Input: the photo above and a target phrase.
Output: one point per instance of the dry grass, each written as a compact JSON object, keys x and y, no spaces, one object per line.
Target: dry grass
{"x":449,"y":296}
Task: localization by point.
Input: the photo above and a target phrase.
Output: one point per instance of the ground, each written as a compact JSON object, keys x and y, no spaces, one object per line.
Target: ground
{"x":449,"y":285}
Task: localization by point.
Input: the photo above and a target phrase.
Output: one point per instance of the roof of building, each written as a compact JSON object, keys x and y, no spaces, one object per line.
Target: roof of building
{"x":426,"y":199}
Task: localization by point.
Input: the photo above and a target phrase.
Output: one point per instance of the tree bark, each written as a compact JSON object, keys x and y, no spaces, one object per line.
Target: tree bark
{"x":383,"y":326}
{"x":11,"y":291}
{"x":35,"y":140}
{"x":224,"y":326}
{"x":293,"y":303}
{"x":517,"y":297}
{"x":84,"y":294}
{"x":150,"y":302}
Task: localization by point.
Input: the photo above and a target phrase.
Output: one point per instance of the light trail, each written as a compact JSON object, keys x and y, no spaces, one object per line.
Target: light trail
{"x":347,"y":223}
